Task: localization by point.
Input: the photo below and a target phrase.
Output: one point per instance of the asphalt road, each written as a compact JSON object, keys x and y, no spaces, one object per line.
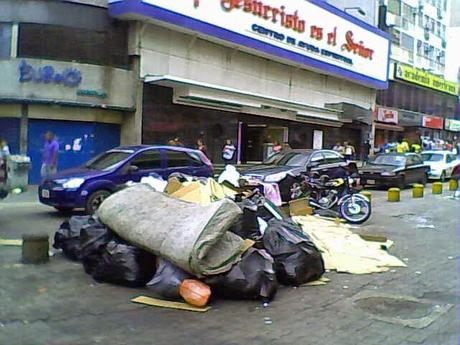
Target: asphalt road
{"x":58,"y":304}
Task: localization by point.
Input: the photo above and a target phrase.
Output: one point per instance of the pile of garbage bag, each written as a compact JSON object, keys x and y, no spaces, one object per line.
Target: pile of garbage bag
{"x":192,"y":239}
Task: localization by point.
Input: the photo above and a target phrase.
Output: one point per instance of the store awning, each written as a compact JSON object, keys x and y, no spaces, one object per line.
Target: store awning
{"x":388,"y":127}
{"x":199,"y":94}
{"x":352,"y":112}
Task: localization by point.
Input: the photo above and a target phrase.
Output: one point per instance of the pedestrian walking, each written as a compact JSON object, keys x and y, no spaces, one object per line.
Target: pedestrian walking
{"x":201,"y":146}
{"x":349,"y":151}
{"x":228,"y":152}
{"x":4,"y":149}
{"x":4,"y":153}
{"x":366,"y":150}
{"x":50,"y":155}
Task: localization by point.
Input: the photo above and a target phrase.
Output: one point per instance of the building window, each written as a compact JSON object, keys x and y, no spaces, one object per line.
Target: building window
{"x":395,"y":36}
{"x":55,"y":42}
{"x":407,"y":42}
{"x":420,"y":20}
{"x":426,"y":21}
{"x":419,"y":47}
{"x":394,"y":6}
{"x":408,"y":13}
{"x":426,"y":49}
{"x":5,"y":40}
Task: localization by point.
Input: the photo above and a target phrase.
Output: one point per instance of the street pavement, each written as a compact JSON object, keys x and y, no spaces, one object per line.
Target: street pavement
{"x":58,"y":304}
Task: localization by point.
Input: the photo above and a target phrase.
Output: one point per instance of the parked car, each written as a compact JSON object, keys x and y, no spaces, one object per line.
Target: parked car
{"x":285,"y":168}
{"x":394,"y":170}
{"x":443,"y":164}
{"x":87,"y":186}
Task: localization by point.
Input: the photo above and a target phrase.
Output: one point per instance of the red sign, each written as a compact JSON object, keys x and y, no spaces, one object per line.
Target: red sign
{"x":387,"y":116}
{"x":433,"y":122}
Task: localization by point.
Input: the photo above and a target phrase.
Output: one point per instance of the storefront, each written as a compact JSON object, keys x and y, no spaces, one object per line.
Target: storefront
{"x":386,"y":127}
{"x":452,"y":126}
{"x":221,"y":70}
{"x":432,"y":127}
{"x":422,"y":101}
{"x":85,"y":106}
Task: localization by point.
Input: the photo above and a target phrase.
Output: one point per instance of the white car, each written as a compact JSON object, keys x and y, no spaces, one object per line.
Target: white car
{"x":443,"y":164}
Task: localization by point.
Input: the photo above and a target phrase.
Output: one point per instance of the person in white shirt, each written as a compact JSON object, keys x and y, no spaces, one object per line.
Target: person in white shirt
{"x":4,"y":149}
{"x":228,"y":152}
{"x":349,"y":151}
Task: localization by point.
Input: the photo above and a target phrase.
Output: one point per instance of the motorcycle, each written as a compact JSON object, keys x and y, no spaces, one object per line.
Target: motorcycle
{"x":337,"y":196}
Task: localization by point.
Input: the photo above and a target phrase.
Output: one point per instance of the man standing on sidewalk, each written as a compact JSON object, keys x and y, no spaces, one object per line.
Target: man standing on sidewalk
{"x":50,"y":153}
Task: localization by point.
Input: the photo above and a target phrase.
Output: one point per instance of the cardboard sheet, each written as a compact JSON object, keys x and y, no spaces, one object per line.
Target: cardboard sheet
{"x":344,"y":251}
{"x":15,"y":243}
{"x":154,"y":302}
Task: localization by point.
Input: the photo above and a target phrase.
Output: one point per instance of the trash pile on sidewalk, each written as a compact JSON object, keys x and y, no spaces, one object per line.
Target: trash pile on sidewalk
{"x":189,"y":238}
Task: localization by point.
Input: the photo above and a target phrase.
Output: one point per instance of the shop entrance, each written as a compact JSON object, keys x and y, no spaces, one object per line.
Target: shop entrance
{"x":258,"y":141}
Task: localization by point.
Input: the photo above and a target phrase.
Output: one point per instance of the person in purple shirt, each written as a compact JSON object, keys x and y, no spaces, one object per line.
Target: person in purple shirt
{"x":50,"y":154}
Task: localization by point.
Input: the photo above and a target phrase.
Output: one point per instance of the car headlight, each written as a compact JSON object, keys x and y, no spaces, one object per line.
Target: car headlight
{"x":387,"y":173}
{"x":275,"y":177}
{"x":73,"y":183}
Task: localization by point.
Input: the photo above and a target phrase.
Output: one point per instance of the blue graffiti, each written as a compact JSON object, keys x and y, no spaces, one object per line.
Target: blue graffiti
{"x":70,"y":77}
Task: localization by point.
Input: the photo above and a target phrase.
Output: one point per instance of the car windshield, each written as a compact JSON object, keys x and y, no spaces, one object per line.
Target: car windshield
{"x":293,"y":159}
{"x":389,"y":160}
{"x":107,"y":160}
{"x":432,"y":157}
{"x":273,"y":158}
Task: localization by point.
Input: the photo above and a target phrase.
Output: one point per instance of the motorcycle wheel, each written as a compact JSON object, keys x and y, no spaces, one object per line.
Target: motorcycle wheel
{"x":355,"y":210}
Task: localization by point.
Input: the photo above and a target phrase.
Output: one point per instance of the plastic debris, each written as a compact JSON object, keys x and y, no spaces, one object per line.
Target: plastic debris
{"x":195,"y":292}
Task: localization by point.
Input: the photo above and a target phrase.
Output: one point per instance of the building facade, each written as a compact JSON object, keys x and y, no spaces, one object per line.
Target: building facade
{"x":453,"y":55}
{"x":300,"y":72}
{"x":65,"y":73}
{"x":421,"y":99}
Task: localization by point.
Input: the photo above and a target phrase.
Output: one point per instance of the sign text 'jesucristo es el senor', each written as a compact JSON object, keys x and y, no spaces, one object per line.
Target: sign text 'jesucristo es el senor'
{"x":310,"y":33}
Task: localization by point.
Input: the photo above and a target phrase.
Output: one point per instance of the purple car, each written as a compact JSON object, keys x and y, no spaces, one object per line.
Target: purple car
{"x":87,"y":186}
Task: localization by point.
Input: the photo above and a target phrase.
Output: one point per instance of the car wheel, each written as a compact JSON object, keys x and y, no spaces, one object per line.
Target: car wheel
{"x":424,"y":179}
{"x":64,"y":210}
{"x":95,"y":200}
{"x":286,"y":186}
{"x":402,"y":182}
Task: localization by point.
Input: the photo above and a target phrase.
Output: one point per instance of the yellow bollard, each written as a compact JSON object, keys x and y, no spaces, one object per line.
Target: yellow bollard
{"x":394,"y":194}
{"x":418,"y":190}
{"x":453,"y":185}
{"x":368,"y":195}
{"x":437,"y":188}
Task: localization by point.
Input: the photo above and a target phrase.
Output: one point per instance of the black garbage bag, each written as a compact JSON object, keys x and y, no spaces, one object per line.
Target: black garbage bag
{"x":247,"y":226}
{"x":93,"y":237}
{"x":297,"y":260}
{"x":93,"y":241}
{"x":67,"y":237}
{"x":252,"y":278}
{"x":123,"y":264}
{"x":167,"y":280}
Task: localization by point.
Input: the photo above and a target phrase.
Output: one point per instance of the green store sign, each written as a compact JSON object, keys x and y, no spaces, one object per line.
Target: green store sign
{"x":419,"y":77}
{"x":452,"y":125}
